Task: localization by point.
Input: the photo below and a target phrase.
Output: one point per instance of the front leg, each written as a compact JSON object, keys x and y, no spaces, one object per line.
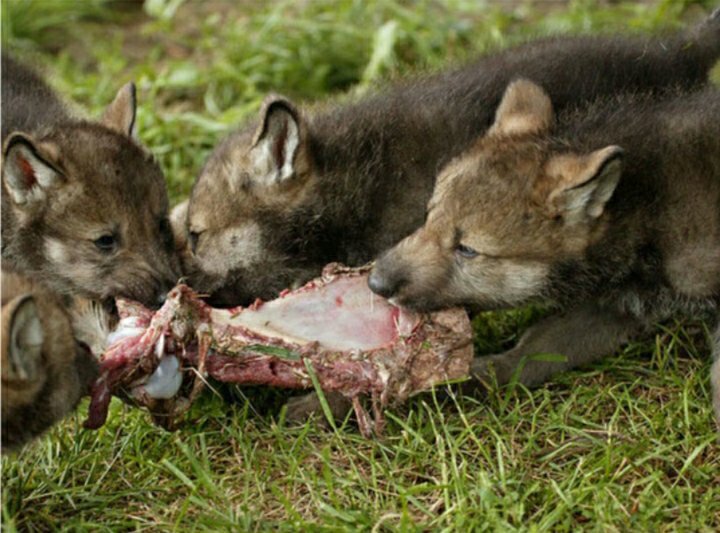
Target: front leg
{"x":715,"y":373}
{"x":581,"y":335}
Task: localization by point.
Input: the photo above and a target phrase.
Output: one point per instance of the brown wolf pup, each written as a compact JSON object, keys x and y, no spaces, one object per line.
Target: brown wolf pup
{"x":45,"y":370}
{"x":612,"y":213}
{"x":295,"y":190}
{"x":84,"y":206}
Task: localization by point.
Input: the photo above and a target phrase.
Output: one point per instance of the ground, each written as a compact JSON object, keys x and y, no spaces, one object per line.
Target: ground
{"x":626,"y":444}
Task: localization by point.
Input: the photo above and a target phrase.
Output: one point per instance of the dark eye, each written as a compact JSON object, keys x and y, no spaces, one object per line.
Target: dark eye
{"x":466,"y":252}
{"x":107,"y":243}
{"x":193,"y":237}
{"x":166,"y":233}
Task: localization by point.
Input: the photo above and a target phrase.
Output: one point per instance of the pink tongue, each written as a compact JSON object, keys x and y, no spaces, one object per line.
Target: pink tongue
{"x":342,"y":315}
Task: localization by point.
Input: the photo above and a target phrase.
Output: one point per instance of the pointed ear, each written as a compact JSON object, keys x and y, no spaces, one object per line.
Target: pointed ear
{"x":27,"y":171}
{"x":25,"y":341}
{"x":584,"y":184}
{"x":279,"y":142}
{"x":120,"y":114}
{"x":525,"y":108}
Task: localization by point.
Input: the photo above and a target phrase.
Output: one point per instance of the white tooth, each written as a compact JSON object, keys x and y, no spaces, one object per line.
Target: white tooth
{"x":165,"y":382}
{"x":160,"y":347}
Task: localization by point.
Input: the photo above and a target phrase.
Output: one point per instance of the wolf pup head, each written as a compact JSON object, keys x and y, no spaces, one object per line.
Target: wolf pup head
{"x":45,"y":371}
{"x":502,"y":214}
{"x":242,"y":223}
{"x":85,"y":209}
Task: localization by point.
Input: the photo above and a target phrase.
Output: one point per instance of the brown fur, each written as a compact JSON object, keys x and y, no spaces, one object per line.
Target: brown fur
{"x":45,"y":371}
{"x":296,"y":190}
{"x":71,"y":186}
{"x":613,"y":213}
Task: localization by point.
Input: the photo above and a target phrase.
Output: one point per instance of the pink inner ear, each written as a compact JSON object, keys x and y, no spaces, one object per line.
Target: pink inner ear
{"x":28,"y":172}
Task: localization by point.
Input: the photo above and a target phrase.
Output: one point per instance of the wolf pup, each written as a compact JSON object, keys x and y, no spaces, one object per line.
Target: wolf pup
{"x":611,"y":213}
{"x":45,"y":370}
{"x":282,"y":197}
{"x":84,"y":207}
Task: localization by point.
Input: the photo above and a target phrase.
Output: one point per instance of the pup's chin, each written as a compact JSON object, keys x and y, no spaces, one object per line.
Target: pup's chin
{"x":225,"y":298}
{"x":239,"y":294}
{"x":219,"y":294}
{"x":428,"y":304}
{"x":419,"y":304}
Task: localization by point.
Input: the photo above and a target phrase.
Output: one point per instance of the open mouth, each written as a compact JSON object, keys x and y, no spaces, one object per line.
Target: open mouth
{"x":333,"y":331}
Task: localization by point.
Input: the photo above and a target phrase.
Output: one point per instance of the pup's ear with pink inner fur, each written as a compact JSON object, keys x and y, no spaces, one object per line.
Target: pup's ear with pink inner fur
{"x":28,"y":170}
{"x":278,"y":152}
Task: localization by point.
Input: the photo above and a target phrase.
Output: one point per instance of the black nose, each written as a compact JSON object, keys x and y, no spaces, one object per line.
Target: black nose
{"x":385,"y":284}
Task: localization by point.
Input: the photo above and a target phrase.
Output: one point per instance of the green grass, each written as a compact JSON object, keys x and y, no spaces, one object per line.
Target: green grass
{"x":627,"y":444}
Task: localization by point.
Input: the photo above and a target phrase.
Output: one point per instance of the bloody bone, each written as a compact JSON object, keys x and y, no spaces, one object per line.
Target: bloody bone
{"x":353,"y":341}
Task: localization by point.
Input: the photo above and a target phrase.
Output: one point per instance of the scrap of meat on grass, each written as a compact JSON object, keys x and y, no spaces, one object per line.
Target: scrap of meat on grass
{"x":333,"y":331}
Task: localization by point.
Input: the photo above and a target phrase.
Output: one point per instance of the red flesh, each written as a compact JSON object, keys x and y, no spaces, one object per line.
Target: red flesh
{"x":231,"y":346}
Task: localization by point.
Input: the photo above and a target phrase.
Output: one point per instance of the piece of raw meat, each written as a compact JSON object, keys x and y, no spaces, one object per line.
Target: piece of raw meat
{"x":333,"y":330}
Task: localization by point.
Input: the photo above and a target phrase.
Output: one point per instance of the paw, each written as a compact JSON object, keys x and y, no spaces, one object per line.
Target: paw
{"x":482,"y":377}
{"x":487,"y":371}
{"x":302,"y":408}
